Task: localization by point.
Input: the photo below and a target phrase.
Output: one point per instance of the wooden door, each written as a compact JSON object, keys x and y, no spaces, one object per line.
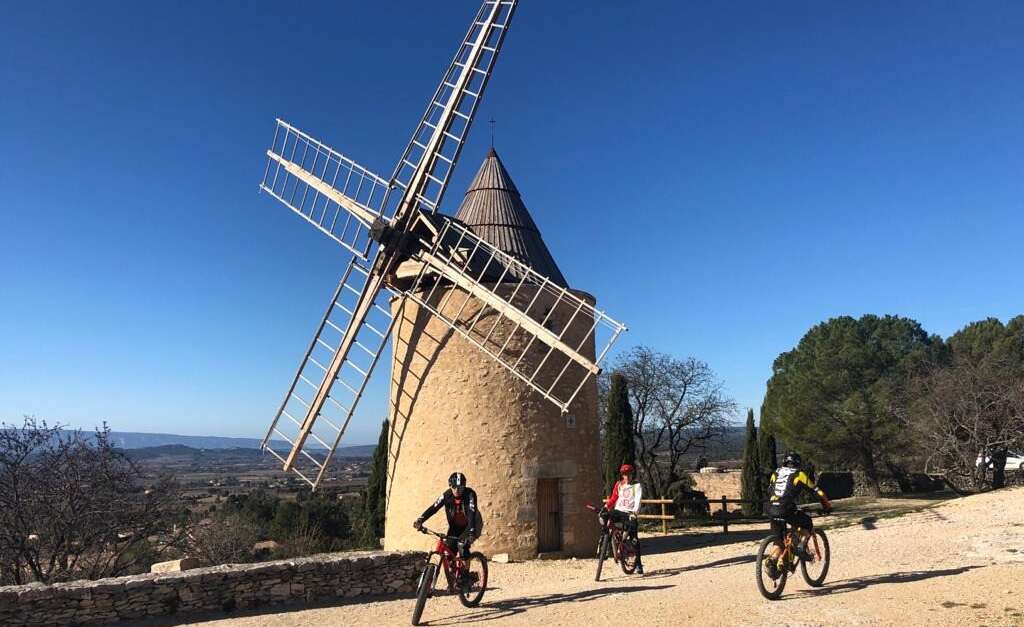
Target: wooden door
{"x":549,"y":516}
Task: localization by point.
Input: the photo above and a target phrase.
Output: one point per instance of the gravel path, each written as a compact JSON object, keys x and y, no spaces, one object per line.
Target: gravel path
{"x":958,"y":563}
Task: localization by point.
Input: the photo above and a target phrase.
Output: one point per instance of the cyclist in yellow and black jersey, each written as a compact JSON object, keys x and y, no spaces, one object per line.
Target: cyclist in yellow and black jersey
{"x":786,"y":485}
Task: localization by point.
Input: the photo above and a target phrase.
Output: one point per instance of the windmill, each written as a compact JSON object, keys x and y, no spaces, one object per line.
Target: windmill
{"x":404,"y":251}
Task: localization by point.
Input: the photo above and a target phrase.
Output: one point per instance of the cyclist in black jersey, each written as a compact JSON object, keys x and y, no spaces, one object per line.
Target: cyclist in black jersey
{"x":786,"y":485}
{"x":460,"y":507}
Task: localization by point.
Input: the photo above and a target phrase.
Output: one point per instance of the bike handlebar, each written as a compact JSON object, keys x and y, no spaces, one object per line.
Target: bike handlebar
{"x":424,"y":530}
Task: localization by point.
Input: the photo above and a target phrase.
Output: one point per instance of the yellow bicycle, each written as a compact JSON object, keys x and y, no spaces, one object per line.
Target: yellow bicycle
{"x":813,"y":559}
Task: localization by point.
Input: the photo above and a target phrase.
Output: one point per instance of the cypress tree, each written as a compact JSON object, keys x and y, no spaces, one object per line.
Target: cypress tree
{"x":768,"y":453}
{"x":374,"y":503}
{"x":750,"y":480}
{"x":619,"y":447}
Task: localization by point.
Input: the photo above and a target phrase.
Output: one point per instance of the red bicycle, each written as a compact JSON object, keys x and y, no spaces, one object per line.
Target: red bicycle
{"x":466,"y":577}
{"x":614,"y":539}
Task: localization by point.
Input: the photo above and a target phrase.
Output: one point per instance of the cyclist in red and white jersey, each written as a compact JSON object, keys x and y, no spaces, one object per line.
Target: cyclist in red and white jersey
{"x":622,"y":507}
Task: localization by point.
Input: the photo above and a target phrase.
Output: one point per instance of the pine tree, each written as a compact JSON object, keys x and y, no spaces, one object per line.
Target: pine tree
{"x":619,"y":447}
{"x":750,"y":480}
{"x":374,"y":503}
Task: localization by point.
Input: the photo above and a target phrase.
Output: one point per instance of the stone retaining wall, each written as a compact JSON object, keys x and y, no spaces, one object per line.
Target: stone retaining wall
{"x":716,"y":484}
{"x":219,"y":588}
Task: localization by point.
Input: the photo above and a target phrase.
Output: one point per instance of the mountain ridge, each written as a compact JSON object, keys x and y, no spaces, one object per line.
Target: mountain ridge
{"x":134,"y":440}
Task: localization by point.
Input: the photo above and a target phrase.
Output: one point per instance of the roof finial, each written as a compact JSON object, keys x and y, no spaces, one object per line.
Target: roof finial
{"x":492,"y":122}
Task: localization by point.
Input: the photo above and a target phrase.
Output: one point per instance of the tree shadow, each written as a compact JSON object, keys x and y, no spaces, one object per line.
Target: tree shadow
{"x":511,"y":607}
{"x":670,"y":544}
{"x":860,"y":583}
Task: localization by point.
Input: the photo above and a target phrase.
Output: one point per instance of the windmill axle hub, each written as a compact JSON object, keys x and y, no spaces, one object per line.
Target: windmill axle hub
{"x":396,"y":243}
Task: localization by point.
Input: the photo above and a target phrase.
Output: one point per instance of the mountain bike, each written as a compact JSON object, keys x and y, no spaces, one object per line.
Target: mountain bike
{"x":614,"y":539}
{"x":813,"y":559}
{"x":466,"y":577}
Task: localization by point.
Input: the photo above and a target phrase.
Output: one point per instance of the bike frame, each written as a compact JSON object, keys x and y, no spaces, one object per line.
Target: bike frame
{"x":450,"y":561}
{"x":614,"y":532}
{"x":789,"y":542}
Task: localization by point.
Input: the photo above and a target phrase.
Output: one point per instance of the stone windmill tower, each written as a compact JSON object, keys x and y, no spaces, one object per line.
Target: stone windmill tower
{"x":453,"y":408}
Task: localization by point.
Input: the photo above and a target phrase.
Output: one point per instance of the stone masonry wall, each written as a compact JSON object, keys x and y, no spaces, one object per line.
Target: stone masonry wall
{"x":716,"y":484}
{"x":218,"y":588}
{"x":454,"y":408}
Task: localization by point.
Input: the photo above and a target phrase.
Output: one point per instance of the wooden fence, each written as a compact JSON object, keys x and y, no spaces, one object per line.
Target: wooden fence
{"x":724,"y":502}
{"x":663,"y":517}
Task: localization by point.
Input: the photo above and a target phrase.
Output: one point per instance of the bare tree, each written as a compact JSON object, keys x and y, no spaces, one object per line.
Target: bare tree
{"x":678,"y":407}
{"x":73,"y":506}
{"x":305,"y":539}
{"x":223,"y":539}
{"x":965,"y":411}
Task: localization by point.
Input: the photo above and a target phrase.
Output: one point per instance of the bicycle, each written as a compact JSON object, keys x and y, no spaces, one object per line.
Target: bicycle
{"x":813,"y":563}
{"x":466,"y":577}
{"x":614,"y":538}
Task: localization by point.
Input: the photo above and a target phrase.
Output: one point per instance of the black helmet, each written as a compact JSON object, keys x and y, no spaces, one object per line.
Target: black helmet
{"x":793,"y":460}
{"x":457,"y":480}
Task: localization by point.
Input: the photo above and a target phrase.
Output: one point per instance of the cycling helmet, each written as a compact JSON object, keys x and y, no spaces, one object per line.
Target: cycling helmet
{"x":626,"y":469}
{"x":457,"y":480}
{"x":793,"y":460}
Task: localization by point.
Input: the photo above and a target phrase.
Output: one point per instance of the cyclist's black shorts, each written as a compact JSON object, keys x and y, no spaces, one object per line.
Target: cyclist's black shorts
{"x":782,"y":515}
{"x":624,"y":519}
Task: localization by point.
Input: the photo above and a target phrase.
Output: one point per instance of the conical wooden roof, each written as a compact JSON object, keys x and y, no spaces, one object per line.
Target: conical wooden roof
{"x":494,"y":210}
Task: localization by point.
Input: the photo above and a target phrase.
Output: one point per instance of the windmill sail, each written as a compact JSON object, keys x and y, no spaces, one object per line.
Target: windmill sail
{"x":426,"y":166}
{"x":312,"y":439}
{"x":511,"y":312}
{"x":335,"y":194}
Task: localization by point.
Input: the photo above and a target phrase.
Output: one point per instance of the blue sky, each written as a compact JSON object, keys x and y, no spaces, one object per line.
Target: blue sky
{"x":721,"y":175}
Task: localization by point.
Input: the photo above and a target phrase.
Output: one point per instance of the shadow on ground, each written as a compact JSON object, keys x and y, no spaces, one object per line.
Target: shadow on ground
{"x":860,"y":583}
{"x":511,"y":607}
{"x":656,"y":545}
{"x":659,"y":573}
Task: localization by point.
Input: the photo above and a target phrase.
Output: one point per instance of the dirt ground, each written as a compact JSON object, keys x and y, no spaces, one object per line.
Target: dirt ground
{"x":958,"y":562}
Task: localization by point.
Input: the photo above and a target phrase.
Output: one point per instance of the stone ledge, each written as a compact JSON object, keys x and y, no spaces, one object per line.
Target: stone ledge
{"x":215,"y":588}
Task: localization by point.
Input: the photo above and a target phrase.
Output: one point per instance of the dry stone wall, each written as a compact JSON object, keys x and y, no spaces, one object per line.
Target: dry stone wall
{"x":218,"y":588}
{"x":714,"y":485}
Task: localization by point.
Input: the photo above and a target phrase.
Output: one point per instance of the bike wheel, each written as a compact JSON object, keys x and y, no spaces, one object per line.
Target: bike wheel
{"x":602,"y":553}
{"x":814,"y":572}
{"x":628,"y":556}
{"x":476,"y":569}
{"x":423,"y":591}
{"x":770,"y":579}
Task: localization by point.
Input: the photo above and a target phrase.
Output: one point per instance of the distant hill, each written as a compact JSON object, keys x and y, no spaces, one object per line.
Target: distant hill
{"x":236,"y":454}
{"x":167,"y":441}
{"x":728,"y":447}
